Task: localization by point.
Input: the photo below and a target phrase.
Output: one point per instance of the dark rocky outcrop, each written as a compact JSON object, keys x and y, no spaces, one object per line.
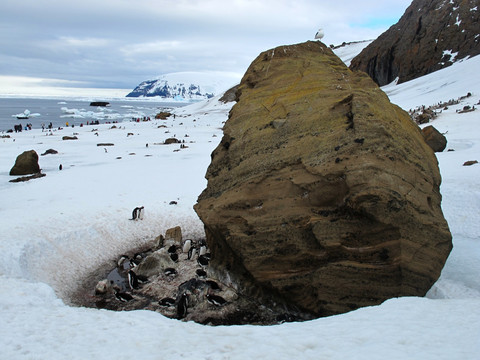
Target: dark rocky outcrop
{"x":431,"y":35}
{"x":435,"y":139}
{"x":69,"y":137}
{"x":322,"y":194}
{"x":26,"y":163}
{"x":230,"y":95}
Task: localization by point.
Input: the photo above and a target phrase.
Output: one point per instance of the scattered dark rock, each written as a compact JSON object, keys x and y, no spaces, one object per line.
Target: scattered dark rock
{"x":163,"y":115}
{"x":105,"y":144}
{"x":470,"y":163}
{"x":434,"y":138}
{"x":69,"y":138}
{"x":26,"y":163}
{"x":50,"y":151}
{"x":172,"y":141}
{"x":27,"y":178}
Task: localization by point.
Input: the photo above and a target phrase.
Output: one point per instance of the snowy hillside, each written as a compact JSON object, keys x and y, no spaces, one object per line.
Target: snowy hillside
{"x":186,"y":86}
{"x":57,"y":229}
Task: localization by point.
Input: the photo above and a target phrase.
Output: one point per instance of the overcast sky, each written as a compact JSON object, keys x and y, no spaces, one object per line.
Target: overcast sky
{"x":119,"y":43}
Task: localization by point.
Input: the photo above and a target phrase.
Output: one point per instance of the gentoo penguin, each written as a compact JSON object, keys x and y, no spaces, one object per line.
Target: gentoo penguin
{"x":132,"y":280}
{"x":141,"y":213}
{"x":201,"y":273}
{"x":123,"y":297}
{"x":187,"y":245}
{"x":170,"y":271}
{"x":182,"y":306}
{"x":213,"y":285}
{"x":172,"y":249}
{"x":174,"y":257}
{"x":142,"y":279}
{"x":167,"y":302}
{"x":202,"y":260}
{"x":191,"y":253}
{"x":202,"y":250}
{"x":216,"y":300}
{"x":121,"y":261}
{"x":134,"y":214}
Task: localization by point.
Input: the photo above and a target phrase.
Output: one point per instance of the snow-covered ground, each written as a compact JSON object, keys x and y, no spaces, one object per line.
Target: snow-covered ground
{"x":56,"y":229}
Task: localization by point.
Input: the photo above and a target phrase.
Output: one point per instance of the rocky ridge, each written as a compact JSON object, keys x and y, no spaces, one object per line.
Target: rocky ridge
{"x":431,"y":35}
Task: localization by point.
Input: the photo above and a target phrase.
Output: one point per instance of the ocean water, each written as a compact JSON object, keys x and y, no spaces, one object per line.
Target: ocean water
{"x":75,"y":112}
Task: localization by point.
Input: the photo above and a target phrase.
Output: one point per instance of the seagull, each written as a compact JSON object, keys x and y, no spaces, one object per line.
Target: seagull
{"x":320,"y":34}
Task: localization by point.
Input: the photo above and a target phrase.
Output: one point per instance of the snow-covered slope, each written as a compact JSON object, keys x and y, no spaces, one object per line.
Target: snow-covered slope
{"x":186,"y":86}
{"x":347,"y":51}
{"x":56,"y":229}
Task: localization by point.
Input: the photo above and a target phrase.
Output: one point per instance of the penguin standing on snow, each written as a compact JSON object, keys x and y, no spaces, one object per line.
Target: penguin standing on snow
{"x":137,"y":213}
{"x":182,"y":306}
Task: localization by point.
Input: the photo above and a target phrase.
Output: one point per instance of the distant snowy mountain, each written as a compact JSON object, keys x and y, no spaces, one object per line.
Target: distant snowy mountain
{"x":186,"y":86}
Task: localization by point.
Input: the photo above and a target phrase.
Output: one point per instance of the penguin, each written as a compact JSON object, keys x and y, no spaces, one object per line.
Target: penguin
{"x":191,"y":252}
{"x":202,"y":260}
{"x":201,"y":273}
{"x":134,"y":214}
{"x":213,"y":285}
{"x":216,"y":300}
{"x":132,"y":280}
{"x":167,"y":302}
{"x":202,"y":250}
{"x":123,"y":297}
{"x":187,"y":245}
{"x":174,"y":257}
{"x":141,"y":212}
{"x":182,"y":306}
{"x":172,"y":249}
{"x":170,"y":271}
{"x":121,"y":261}
{"x":142,"y":279}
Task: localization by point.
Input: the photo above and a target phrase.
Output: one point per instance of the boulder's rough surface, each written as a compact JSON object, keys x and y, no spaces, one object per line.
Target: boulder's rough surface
{"x":26,"y":163}
{"x":431,"y":35}
{"x":322,"y":193}
{"x":434,"y":138}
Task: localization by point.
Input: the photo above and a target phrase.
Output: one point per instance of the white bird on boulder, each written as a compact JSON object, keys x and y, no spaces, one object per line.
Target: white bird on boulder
{"x":320,"y":34}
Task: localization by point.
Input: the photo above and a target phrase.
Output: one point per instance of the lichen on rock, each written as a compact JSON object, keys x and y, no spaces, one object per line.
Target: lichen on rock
{"x":321,"y":194}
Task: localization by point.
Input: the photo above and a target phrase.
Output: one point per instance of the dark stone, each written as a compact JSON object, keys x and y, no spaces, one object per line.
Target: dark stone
{"x":26,"y":163}
{"x":50,"y":151}
{"x":434,"y":138}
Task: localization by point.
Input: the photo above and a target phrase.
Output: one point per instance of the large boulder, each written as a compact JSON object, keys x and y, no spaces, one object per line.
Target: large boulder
{"x":322,"y":194}
{"x":431,"y":35}
{"x":434,"y":138}
{"x":26,"y":163}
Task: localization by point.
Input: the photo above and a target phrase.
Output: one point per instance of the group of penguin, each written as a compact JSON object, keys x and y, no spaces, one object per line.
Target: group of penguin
{"x":134,"y":281}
